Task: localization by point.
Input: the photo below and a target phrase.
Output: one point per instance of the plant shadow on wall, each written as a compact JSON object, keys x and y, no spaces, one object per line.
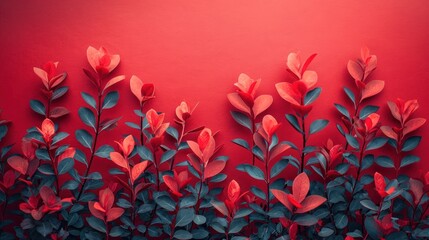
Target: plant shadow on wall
{"x":166,"y":181}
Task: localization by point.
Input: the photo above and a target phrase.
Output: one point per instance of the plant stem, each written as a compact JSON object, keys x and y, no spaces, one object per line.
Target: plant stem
{"x":357,"y":174}
{"x":252,"y":141}
{"x":141,"y":125}
{"x":304,"y":142}
{"x":54,"y":167}
{"x":94,"y":144}
{"x":267,"y":180}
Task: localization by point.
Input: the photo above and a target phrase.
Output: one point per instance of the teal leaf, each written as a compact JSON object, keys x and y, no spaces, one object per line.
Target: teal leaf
{"x":312,"y":95}
{"x":253,"y":171}
{"x":84,"y":138}
{"x":110,"y":100}
{"x":318,"y":125}
{"x":367,"y":110}
{"x":411,"y":143}
{"x":184,"y":217}
{"x":242,"y":119}
{"x":293,"y":121}
{"x":342,"y":110}
{"x":384,"y":161}
{"x":376,"y":143}
{"x":408,"y":160}
{"x":38,"y":107}
{"x":65,"y":165}
{"x":89,"y":100}
{"x":87,"y":117}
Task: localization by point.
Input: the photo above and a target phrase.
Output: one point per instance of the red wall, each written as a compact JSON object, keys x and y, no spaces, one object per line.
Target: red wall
{"x":195,"y":50}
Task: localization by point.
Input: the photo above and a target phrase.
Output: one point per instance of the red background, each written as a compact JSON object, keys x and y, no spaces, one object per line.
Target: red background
{"x":195,"y":50}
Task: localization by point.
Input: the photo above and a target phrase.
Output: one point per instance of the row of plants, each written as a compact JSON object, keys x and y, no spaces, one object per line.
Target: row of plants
{"x":169,"y":182}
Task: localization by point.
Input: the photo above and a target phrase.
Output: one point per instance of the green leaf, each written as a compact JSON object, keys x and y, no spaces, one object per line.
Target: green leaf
{"x":188,"y":201}
{"x":44,"y":229}
{"x":384,"y":161}
{"x":199,"y":219}
{"x":145,"y":153}
{"x":104,"y":151}
{"x":241,"y":142}
{"x":58,"y":137}
{"x":367,"y":161}
{"x":293,"y":121}
{"x":84,"y":138}
{"x":410,"y":159}
{"x":278,"y":167}
{"x":237,"y":225}
{"x":411,"y":143}
{"x":184,"y":217}
{"x":376,"y":143}
{"x":87,"y":117}
{"x":200,"y":233}
{"x":97,"y":224}
{"x":46,"y":169}
{"x":367,"y":110}
{"x":343,"y":110}
{"x":350,"y":94}
{"x":258,"y":192}
{"x":312,"y":95}
{"x":243,"y":212}
{"x":59,"y":92}
{"x":253,"y":171}
{"x":110,"y":100}
{"x":38,"y":107}
{"x":341,"y":220}
{"x":65,"y":165}
{"x":117,"y":231}
{"x":166,"y":202}
{"x":305,"y":220}
{"x":318,"y":125}
{"x":369,"y":204}
{"x":325,"y":232}
{"x":352,"y":141}
{"x":172,"y":132}
{"x":167,"y":155}
{"x":182,"y":234}
{"x":89,"y":100}
{"x":242,"y":119}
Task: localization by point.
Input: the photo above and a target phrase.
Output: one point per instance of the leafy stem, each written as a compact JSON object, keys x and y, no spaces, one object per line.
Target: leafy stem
{"x":304,"y":142}
{"x":357,"y":174}
{"x":94,"y":144}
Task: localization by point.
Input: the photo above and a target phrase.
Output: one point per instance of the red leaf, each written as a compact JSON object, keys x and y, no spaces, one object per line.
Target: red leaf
{"x":209,"y":150}
{"x":413,"y":125}
{"x":194,"y":162}
{"x":9,"y":179}
{"x":309,"y":78}
{"x":213,"y":168}
{"x":237,"y":102}
{"x":195,"y":149}
{"x":57,"y":112}
{"x":270,"y":126}
{"x":106,"y":198}
{"x":137,"y":170}
{"x":310,"y":203}
{"x":220,"y":206}
{"x":417,"y":188}
{"x":136,"y":85}
{"x":128,"y":145}
{"x":119,"y":160}
{"x":113,"y":81}
{"x":372,"y":88}
{"x":204,"y":138}
{"x":57,"y":80}
{"x":294,"y":63}
{"x":19,"y":164}
{"x":96,"y":213}
{"x":300,"y":187}
{"x":172,"y":185}
{"x":307,"y":62}
{"x":282,"y":197}
{"x":394,"y":110}
{"x":261,"y":104}
{"x":279,"y":149}
{"x":233,"y":191}
{"x":114,"y":213}
{"x":47,"y":194}
{"x":293,"y":201}
{"x":287,"y":92}
{"x":68,"y":153}
{"x":355,"y":70}
{"x":42,"y":74}
{"x":293,"y":231}
{"x":380,"y":184}
{"x":388,"y":131}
